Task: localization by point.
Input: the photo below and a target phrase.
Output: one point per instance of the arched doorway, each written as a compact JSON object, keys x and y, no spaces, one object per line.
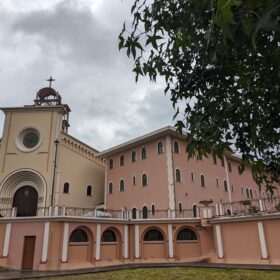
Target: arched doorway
{"x":110,"y":245}
{"x":80,"y":245}
{"x":187,"y":244}
{"x":154,"y":244}
{"x":26,"y":200}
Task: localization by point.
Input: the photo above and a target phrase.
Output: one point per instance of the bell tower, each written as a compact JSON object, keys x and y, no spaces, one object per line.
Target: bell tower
{"x":47,"y":96}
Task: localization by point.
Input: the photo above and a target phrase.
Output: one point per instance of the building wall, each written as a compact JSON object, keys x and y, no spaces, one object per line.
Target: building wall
{"x":240,"y":239}
{"x":223,"y":181}
{"x":12,"y":159}
{"x":80,"y":172}
{"x":154,"y":166}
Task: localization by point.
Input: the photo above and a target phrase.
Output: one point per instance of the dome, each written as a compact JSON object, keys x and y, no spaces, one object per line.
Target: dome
{"x":48,"y":95}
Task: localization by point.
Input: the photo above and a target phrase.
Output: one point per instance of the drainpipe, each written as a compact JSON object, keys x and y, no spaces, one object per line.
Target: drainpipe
{"x":228,"y":183}
{"x":56,"y":142}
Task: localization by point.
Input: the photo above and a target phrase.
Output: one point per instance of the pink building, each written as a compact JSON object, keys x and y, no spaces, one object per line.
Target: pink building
{"x":64,"y":205}
{"x":152,"y":174}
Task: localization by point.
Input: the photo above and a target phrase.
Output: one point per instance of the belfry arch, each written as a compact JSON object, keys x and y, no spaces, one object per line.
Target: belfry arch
{"x":21,"y":186}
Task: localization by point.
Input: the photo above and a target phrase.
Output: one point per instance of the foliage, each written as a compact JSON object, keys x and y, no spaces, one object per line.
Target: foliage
{"x":253,"y":209}
{"x":221,"y":60}
{"x":245,"y":202}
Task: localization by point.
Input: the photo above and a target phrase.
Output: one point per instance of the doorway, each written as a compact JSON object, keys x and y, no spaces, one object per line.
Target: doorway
{"x":26,"y":201}
{"x":28,"y":252}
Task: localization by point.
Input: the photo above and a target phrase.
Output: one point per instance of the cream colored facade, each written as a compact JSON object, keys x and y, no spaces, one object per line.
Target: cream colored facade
{"x":75,"y":162}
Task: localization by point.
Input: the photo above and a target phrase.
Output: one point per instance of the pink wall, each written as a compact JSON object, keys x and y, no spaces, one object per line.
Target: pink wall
{"x":18,"y":231}
{"x":137,"y":195}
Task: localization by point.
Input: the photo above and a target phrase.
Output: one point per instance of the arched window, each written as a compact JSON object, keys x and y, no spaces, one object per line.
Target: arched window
{"x":66,"y":188}
{"x":176,"y":147}
{"x":133,"y":180}
{"x":89,"y":190}
{"x":121,"y":185}
{"x":192,"y":177}
{"x":194,"y":211}
{"x":202,"y":181}
{"x":122,"y":160}
{"x":247,"y":193}
{"x":160,"y":148}
{"x":133,"y":156}
{"x":78,"y":235}
{"x":144,"y":153}
{"x":251,"y":193}
{"x":180,"y":207}
{"x":108,"y":236}
{"x":134,"y":211}
{"x":145,"y":212}
{"x":225,"y":186}
{"x":186,"y":234}
{"x":110,"y":189}
{"x":153,"y":235}
{"x":144,"y":180}
{"x":111,"y":164}
{"x":178,"y":175}
{"x":229,"y":167}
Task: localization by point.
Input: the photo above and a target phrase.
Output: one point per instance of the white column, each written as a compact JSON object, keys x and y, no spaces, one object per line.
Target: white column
{"x":7,"y":240}
{"x":170,"y":241}
{"x":97,"y":246}
{"x":50,"y":211}
{"x":219,"y":241}
{"x":221,"y":207}
{"x":56,"y":208}
{"x":217,"y":209}
{"x":65,"y":242}
{"x":137,"y":247}
{"x":126,"y":241}
{"x":261,"y":205}
{"x":262,"y":241}
{"x":171,"y":191}
{"x":45,"y":242}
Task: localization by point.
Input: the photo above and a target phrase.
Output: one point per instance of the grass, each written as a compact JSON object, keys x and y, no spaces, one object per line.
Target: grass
{"x":178,"y":273}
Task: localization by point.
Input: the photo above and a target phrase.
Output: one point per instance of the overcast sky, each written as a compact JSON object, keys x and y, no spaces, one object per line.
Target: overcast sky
{"x":76,"y":41}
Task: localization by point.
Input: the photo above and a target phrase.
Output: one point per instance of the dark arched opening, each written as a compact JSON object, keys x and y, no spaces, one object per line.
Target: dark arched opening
{"x":26,"y":201}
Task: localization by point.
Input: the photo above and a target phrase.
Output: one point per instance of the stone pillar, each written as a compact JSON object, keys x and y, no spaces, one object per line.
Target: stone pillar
{"x":64,"y":253}
{"x":98,"y":239}
{"x":45,"y":242}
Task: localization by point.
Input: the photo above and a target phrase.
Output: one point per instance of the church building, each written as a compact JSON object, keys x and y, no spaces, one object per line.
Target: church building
{"x":65,"y":205}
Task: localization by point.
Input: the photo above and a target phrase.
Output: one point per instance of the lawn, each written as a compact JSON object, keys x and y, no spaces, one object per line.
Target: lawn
{"x":178,"y":273}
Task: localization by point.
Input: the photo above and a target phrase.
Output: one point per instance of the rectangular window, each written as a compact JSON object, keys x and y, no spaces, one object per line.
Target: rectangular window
{"x":217,"y":182}
{"x":242,"y":191}
{"x":133,"y":181}
{"x":229,"y":167}
{"x":222,"y":161}
{"x":232,"y":189}
{"x":192,"y":177}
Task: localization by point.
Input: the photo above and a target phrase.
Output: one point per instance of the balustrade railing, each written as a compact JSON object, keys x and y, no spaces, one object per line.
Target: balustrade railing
{"x":248,"y":207}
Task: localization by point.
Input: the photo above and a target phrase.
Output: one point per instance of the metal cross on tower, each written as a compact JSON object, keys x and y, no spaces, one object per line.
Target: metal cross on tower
{"x":50,"y":80}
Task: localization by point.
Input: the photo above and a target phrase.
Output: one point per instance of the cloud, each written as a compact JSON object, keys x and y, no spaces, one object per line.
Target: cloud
{"x":76,"y":42}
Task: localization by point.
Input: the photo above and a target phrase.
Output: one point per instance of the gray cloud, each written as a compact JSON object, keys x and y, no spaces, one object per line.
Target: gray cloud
{"x":80,"y":49}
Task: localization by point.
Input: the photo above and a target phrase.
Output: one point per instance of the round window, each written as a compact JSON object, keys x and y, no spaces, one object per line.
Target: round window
{"x":28,"y":139}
